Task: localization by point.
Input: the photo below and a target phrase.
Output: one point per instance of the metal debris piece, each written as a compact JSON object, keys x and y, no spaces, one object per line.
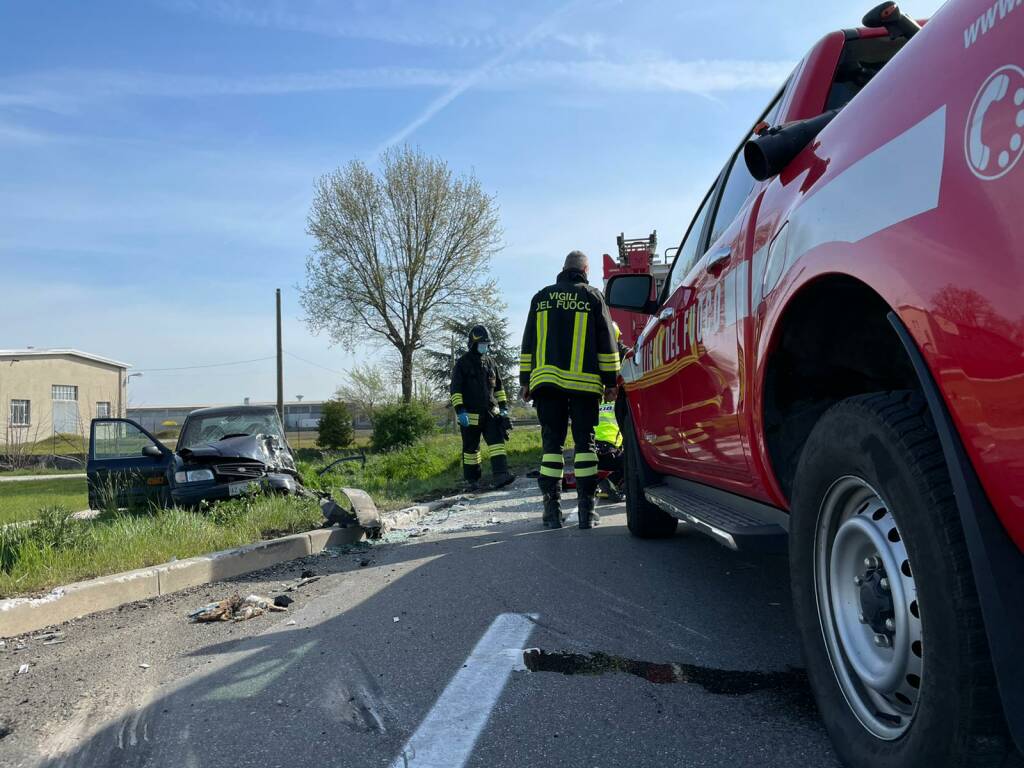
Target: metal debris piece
{"x":23,"y":669}
{"x":302,"y":583}
{"x":395,"y":619}
{"x":290,"y":623}
{"x":144,"y":666}
{"x":365,"y":510}
{"x":55,"y":641}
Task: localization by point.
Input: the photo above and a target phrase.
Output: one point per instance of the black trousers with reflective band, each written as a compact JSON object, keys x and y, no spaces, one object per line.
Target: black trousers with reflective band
{"x":555,"y":410}
{"x":610,"y":459}
{"x":490,"y":428}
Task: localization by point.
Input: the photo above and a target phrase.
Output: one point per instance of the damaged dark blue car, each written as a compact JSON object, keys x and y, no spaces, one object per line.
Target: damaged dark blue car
{"x":221,"y":453}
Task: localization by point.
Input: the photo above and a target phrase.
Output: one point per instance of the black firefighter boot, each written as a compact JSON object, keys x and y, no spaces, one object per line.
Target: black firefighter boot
{"x":585,"y":509}
{"x":499,"y":471}
{"x":553,"y":516}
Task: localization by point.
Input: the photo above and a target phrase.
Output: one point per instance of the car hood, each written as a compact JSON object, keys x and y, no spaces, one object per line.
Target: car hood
{"x":265,"y":449}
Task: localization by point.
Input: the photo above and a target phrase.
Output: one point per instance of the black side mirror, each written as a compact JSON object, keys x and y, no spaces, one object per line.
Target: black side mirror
{"x":631,"y":292}
{"x":152,"y":452}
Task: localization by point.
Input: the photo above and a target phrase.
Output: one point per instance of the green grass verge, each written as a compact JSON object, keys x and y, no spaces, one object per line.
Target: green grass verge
{"x":58,"y":550}
{"x":23,"y":500}
{"x":429,"y":469}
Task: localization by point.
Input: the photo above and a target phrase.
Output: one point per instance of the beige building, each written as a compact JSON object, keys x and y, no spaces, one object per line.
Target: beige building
{"x":57,"y":391}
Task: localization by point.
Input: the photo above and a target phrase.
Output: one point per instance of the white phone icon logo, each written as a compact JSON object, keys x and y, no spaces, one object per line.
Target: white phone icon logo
{"x":996,"y":90}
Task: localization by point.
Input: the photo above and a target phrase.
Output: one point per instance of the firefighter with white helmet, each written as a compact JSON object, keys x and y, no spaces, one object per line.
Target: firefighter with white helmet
{"x":481,"y":407}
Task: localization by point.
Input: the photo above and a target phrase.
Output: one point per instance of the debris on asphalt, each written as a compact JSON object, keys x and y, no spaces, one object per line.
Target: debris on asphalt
{"x":235,"y":608}
{"x":144,"y":666}
{"x":283,"y":601}
{"x":395,"y":619}
{"x":301,"y":584}
{"x":307,"y":574}
{"x":54,"y":641}
{"x":363,"y":563}
{"x":24,"y":667}
{"x":47,"y":637}
{"x":495,"y":520}
{"x":290,"y":623}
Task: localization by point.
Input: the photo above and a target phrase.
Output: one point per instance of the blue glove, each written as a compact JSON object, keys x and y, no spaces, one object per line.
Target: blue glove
{"x":503,"y":413}
{"x":463,"y":418}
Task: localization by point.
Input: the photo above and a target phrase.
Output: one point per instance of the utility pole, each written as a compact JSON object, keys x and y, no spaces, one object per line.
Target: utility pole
{"x":280,"y":362}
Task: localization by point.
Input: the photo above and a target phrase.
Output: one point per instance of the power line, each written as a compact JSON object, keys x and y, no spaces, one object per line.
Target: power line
{"x":315,"y":365}
{"x":211,"y":365}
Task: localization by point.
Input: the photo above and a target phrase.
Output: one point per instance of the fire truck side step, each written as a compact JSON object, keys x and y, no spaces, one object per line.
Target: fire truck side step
{"x":735,"y":521}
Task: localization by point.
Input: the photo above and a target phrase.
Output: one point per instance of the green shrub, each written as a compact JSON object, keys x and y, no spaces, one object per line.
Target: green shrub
{"x":335,"y":426}
{"x":401,"y":424}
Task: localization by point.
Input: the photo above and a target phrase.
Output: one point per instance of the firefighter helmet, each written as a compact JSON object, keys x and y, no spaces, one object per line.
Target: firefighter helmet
{"x":477,"y":334}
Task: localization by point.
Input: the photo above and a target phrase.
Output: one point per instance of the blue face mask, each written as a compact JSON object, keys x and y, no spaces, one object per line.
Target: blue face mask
{"x":483,"y":347}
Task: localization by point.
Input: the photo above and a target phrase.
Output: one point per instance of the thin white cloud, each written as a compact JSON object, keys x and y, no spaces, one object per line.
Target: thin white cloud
{"x":447,"y":24}
{"x":62,"y":89}
{"x":16,"y":134}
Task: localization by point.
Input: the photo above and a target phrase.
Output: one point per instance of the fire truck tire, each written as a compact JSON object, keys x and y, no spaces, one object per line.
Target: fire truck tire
{"x":644,"y":520}
{"x":884,"y":595}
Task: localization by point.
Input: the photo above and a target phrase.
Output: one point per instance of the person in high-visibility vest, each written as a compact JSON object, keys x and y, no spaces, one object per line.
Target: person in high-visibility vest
{"x":608,"y":438}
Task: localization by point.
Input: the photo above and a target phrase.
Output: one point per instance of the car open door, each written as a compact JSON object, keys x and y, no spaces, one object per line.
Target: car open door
{"x":127,"y":466}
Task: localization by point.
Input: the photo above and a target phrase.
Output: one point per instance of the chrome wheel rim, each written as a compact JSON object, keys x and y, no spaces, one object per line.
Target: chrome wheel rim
{"x":867,"y":606}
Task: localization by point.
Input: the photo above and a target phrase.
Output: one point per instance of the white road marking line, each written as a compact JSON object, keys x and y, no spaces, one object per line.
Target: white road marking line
{"x":447,"y":735}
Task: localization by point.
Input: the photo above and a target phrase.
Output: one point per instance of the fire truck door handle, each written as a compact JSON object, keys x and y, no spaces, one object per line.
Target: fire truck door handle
{"x":717,"y":259}
{"x":666,"y":314}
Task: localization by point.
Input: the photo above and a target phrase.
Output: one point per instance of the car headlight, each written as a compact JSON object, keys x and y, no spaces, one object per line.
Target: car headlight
{"x":193,"y":476}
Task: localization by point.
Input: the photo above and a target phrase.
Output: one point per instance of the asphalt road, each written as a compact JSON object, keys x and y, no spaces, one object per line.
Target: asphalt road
{"x":411,"y":654}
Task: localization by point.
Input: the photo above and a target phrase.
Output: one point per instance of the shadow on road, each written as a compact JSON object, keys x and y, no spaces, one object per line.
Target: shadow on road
{"x":353,"y":678}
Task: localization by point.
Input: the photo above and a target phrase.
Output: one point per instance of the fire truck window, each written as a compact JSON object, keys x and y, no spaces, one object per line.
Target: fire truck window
{"x":737,"y":187}
{"x":690,"y":250}
{"x":860,"y":61}
{"x":740,"y":182}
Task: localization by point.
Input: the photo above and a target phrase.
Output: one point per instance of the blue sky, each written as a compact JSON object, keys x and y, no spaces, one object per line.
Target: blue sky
{"x":157,"y":157}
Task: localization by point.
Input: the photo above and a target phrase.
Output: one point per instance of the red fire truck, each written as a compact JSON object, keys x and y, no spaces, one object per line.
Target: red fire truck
{"x":636,"y":256}
{"x":835,"y":366}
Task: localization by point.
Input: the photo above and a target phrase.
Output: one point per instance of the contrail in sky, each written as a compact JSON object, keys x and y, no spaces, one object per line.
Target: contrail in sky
{"x":539,"y":31}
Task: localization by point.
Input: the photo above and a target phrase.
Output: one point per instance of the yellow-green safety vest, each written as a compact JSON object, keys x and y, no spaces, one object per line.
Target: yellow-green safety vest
{"x":607,"y":430}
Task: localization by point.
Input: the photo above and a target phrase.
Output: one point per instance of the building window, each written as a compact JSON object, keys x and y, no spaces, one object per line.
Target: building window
{"x":21,"y":413}
{"x":103,"y":409}
{"x":64,"y":392}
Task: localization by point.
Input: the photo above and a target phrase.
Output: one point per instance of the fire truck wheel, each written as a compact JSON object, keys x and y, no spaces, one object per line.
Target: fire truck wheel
{"x":884,"y":596}
{"x":643,"y":519}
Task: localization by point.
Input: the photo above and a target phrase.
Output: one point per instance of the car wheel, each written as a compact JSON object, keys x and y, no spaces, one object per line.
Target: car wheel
{"x":643,"y":519}
{"x":884,"y":596}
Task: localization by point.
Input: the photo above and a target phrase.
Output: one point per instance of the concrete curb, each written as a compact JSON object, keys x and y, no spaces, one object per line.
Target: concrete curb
{"x":32,"y":478}
{"x":19,"y":615}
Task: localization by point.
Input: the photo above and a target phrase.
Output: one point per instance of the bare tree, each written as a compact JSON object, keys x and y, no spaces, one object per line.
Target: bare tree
{"x":396,"y":251}
{"x":367,"y":387}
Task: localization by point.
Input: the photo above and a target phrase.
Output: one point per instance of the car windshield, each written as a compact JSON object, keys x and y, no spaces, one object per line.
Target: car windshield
{"x":200,"y":430}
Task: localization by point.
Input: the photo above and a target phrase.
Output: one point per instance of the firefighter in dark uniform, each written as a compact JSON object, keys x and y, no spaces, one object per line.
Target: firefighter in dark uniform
{"x":569,"y":361}
{"x":481,"y":406}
